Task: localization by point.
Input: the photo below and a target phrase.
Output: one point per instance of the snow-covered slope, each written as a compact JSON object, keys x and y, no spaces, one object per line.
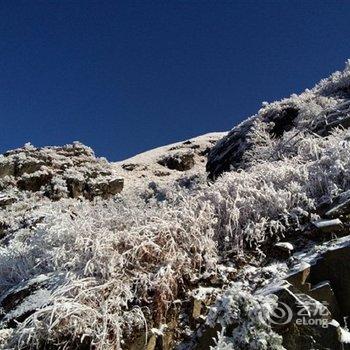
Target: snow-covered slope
{"x":170,"y":163}
{"x":149,"y":254}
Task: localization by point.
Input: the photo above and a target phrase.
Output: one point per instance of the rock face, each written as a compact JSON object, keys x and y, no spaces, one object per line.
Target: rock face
{"x":56,"y":172}
{"x":317,"y":111}
{"x":228,"y":153}
{"x":323,"y":285}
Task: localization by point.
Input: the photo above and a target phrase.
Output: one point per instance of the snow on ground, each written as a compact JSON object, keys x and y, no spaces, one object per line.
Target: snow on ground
{"x":144,"y":167}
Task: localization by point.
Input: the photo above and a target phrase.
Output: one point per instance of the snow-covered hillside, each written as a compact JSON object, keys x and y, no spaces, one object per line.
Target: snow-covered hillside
{"x":172,"y":163}
{"x":155,"y":253}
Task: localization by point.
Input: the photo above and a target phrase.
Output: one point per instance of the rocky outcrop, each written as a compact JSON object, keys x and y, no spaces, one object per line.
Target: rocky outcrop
{"x":104,"y":186}
{"x":68,"y":171}
{"x":228,"y":153}
{"x":181,"y":161}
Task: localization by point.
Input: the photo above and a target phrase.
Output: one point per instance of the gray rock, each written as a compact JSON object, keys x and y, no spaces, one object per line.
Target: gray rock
{"x":3,"y":229}
{"x":130,"y":166}
{"x":285,"y":246}
{"x":104,"y":187}
{"x":178,"y":161}
{"x":328,"y":226}
{"x":75,"y":187}
{"x":228,"y":153}
{"x":12,"y":301}
{"x":29,"y":167}
{"x":282,"y":250}
{"x":335,"y":117}
{"x":308,"y":328}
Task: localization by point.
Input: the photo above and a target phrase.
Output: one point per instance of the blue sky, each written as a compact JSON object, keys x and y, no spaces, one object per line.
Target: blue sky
{"x":124,"y":76}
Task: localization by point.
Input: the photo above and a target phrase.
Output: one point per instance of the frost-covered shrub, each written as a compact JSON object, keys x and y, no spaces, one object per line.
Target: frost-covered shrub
{"x":337,"y":81}
{"x":256,"y":203}
{"x":246,"y":312}
{"x":253,"y":205}
{"x":109,"y":255}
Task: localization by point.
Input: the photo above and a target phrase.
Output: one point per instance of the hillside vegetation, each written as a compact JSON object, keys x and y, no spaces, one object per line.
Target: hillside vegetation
{"x":85,"y":264}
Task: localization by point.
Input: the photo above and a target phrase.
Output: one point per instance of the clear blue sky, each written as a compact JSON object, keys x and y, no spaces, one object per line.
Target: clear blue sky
{"x":124,"y":76}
